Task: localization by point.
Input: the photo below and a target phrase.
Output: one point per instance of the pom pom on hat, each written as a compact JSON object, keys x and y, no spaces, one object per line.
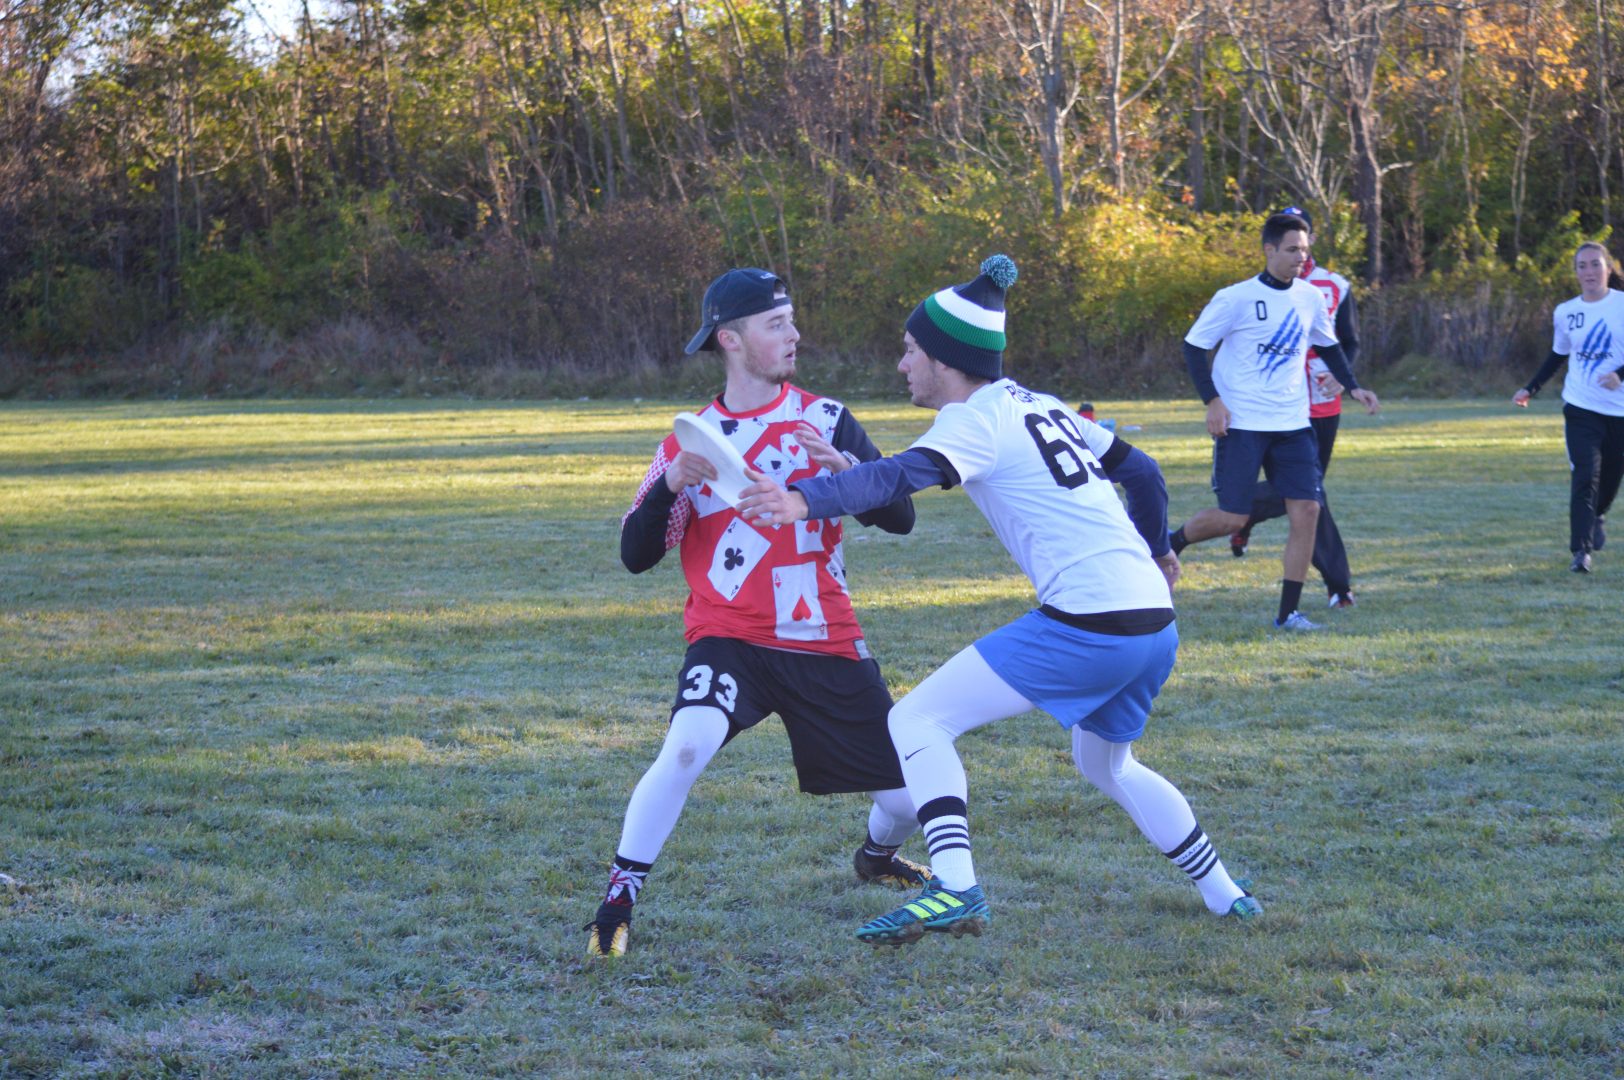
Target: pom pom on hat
{"x":963,"y":327}
{"x":1002,"y":270}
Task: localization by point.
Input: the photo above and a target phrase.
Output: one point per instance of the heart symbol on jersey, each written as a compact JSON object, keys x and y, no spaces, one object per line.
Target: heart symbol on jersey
{"x":802,"y":612}
{"x":815,"y":525}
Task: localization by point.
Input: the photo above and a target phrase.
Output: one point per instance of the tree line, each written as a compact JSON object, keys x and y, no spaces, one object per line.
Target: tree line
{"x":541,"y":188}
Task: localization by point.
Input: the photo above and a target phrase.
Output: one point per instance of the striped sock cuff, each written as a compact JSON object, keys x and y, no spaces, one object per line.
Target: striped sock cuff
{"x":1196,"y":855}
{"x":626,"y":878}
{"x":947,"y":832}
{"x":946,"y":824}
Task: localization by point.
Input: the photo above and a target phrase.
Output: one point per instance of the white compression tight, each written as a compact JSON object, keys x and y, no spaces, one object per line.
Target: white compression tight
{"x":1156,"y":806}
{"x":696,"y":733}
{"x":965,"y":693}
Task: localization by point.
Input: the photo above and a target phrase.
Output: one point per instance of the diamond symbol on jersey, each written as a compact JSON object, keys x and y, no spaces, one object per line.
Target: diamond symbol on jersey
{"x":729,"y":426}
{"x":732,"y":559}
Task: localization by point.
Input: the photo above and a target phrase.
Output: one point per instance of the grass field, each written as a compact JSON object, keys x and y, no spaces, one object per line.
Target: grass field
{"x":317,"y":722}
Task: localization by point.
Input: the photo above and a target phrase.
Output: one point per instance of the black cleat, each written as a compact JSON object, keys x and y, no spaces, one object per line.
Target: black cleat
{"x":608,"y":931}
{"x":893,"y":870}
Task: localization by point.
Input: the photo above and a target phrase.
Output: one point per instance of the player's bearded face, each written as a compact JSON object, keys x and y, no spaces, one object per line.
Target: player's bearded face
{"x":924,"y":374}
{"x":768,"y":341}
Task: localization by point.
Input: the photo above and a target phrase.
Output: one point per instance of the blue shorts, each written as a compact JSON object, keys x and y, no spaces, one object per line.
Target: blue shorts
{"x":1102,"y":682}
{"x":1290,"y":459}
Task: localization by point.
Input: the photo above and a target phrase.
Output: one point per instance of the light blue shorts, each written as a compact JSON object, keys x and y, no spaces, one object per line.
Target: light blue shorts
{"x":1103,"y":682}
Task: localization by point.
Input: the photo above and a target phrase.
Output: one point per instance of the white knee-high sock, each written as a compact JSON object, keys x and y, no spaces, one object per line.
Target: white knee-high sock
{"x":891,"y":817}
{"x":1160,"y":811}
{"x":696,"y":733}
{"x":960,"y":696}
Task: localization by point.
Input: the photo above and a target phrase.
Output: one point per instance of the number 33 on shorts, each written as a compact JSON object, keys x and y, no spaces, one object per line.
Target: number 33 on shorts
{"x":701,"y":683}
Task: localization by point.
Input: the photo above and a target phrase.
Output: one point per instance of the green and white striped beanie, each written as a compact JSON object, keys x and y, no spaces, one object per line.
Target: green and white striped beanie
{"x":963,"y":327}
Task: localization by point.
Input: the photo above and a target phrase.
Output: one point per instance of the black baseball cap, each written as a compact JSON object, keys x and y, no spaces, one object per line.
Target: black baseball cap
{"x":1299,"y":212}
{"x":734,"y":295}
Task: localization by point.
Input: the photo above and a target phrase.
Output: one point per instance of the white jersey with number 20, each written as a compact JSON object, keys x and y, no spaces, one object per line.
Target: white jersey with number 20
{"x":1032,"y":466}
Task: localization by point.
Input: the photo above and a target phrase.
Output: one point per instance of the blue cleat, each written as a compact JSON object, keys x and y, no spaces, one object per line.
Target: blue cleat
{"x":1246,"y":908}
{"x":935,"y":908}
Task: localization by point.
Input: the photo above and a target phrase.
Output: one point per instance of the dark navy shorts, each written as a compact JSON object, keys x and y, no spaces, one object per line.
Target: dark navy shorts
{"x":834,"y":709}
{"x":1290,"y":459}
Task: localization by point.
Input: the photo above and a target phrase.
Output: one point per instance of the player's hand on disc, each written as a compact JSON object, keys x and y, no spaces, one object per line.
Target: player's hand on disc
{"x":1368,"y":398}
{"x":766,"y":503}
{"x":686,"y":470}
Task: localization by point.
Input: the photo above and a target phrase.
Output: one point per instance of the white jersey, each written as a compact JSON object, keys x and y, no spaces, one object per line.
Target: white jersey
{"x":1591,"y":336}
{"x":1262,"y":336}
{"x":1032,"y":466}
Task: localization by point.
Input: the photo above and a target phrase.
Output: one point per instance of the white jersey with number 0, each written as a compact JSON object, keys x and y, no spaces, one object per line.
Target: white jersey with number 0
{"x":1591,"y":336}
{"x":1032,"y":466}
{"x":1262,"y":335}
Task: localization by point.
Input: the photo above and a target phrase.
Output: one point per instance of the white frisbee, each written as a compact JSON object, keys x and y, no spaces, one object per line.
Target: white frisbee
{"x":698,"y":437}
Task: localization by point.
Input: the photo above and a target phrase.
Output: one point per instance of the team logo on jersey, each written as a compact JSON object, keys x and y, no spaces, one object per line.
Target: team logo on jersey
{"x":1597,"y":346}
{"x":1282,"y":347}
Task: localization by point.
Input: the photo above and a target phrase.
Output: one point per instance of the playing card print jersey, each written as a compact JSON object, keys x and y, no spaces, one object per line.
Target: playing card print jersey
{"x":781,"y":586}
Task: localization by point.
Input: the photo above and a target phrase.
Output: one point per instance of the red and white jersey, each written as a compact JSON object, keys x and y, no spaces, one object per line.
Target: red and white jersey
{"x":1333,"y":286}
{"x":782,"y":586}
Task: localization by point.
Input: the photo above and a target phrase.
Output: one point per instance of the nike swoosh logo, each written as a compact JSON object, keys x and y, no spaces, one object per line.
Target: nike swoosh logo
{"x":907,"y":756}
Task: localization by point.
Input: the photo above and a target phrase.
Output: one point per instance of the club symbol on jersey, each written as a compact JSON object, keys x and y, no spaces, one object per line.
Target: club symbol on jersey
{"x":1282,"y":347}
{"x":729,"y":426}
{"x":831,"y":408}
{"x":732,"y":559}
{"x":1597,"y":346}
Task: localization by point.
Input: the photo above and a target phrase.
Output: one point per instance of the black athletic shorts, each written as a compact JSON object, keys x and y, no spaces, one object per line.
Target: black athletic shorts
{"x":1290,"y":459}
{"x":834,"y":709}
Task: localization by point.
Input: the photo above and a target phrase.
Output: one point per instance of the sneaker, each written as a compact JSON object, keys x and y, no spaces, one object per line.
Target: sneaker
{"x":1238,"y":542}
{"x":1296,"y":622}
{"x":1342,"y":599}
{"x":1598,"y":536}
{"x":608,"y":931}
{"x":893,"y":870}
{"x":935,"y":908}
{"x":1581,"y":562}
